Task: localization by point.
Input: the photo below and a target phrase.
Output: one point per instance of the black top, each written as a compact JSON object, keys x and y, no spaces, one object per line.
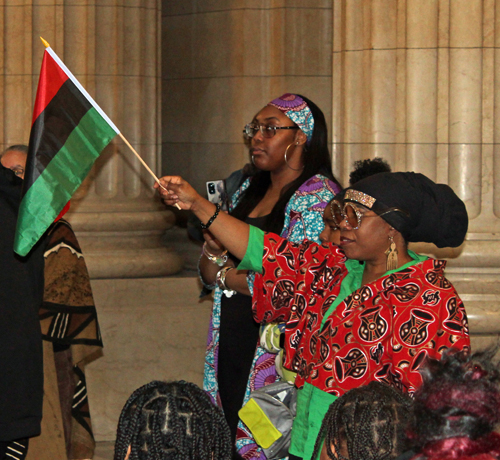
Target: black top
{"x":21,"y":291}
{"x":238,"y":338}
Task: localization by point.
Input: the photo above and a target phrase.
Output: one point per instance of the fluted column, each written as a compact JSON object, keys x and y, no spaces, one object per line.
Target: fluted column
{"x":222,"y":62}
{"x":113,"y":48}
{"x":416,"y":83}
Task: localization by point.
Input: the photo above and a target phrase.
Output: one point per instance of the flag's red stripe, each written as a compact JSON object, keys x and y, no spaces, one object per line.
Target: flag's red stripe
{"x":64,"y":211}
{"x":52,"y":77}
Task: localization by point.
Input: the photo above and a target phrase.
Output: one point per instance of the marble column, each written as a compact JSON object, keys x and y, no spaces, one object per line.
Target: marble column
{"x":416,"y":83}
{"x":222,"y":62}
{"x":113,"y":48}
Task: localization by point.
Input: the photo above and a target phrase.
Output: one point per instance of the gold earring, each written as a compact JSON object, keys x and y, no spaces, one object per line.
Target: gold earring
{"x":392,"y":256}
{"x":286,"y":160}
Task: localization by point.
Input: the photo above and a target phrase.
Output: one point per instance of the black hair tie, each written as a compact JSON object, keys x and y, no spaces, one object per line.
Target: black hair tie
{"x":205,"y":226}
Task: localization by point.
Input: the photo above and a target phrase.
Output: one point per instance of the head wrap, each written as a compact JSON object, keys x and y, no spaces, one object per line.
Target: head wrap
{"x":432,"y":213}
{"x":295,"y":108}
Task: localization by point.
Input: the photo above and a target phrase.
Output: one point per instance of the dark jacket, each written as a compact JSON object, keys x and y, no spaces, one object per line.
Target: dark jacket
{"x":21,"y":291}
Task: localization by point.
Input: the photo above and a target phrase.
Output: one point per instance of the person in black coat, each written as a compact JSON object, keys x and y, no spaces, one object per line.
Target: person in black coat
{"x":21,"y":291}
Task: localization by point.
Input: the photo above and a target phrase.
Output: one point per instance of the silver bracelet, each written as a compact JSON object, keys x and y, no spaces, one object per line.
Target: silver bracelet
{"x":220,"y":260}
{"x":220,"y":280}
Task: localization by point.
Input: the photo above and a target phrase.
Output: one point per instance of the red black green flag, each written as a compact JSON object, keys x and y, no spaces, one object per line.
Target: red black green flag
{"x":68,"y":133}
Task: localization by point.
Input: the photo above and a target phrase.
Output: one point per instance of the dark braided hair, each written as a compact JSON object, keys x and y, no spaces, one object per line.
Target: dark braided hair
{"x":365,"y":168}
{"x":172,"y":421}
{"x":458,"y":406}
{"x":366,"y":423}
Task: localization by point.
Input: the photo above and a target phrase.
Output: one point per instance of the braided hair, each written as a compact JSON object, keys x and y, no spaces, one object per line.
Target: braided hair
{"x":458,"y":406}
{"x":366,"y":423}
{"x":172,"y":421}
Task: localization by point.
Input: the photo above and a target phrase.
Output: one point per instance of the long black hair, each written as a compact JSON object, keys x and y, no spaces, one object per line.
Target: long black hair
{"x":172,"y":421}
{"x":316,"y":159}
{"x":366,"y":423}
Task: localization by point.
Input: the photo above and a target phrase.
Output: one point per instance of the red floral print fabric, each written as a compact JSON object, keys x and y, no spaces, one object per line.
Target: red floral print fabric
{"x":382,"y":331}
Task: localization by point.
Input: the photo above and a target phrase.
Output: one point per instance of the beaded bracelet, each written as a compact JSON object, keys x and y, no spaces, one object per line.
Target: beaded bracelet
{"x":205,"y":226}
{"x":220,"y":280}
{"x":220,"y":260}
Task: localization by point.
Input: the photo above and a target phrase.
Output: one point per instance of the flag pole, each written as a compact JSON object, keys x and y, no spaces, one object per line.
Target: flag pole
{"x":145,"y":165}
{"x":47,"y":45}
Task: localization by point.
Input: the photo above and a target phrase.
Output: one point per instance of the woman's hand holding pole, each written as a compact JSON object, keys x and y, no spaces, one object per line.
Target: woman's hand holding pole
{"x":231,"y":232}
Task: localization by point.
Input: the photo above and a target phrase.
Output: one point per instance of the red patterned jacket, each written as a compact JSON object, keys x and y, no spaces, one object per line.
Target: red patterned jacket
{"x":382,"y":331}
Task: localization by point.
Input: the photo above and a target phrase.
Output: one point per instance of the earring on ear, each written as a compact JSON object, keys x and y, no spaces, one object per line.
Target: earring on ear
{"x":286,"y":160}
{"x":392,"y":256}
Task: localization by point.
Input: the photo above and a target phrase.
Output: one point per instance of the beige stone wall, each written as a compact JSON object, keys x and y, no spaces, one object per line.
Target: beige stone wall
{"x":222,"y":62}
{"x":153,"y":329}
{"x":417,"y":83}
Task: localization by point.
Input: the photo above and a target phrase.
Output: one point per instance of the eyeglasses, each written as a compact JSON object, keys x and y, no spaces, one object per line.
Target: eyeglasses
{"x":19,"y":172}
{"x":266,"y":130}
{"x":352,"y":216}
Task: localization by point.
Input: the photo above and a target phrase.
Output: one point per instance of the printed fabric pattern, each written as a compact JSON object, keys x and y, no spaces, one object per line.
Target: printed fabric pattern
{"x":303,"y":220}
{"x":68,"y":317}
{"x":382,"y":331}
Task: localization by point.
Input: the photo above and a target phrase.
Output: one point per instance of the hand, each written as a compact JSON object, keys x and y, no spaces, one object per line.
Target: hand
{"x":176,"y":190}
{"x":215,"y":247}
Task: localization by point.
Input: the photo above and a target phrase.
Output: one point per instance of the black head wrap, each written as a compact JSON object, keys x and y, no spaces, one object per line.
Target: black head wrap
{"x":432,"y":213}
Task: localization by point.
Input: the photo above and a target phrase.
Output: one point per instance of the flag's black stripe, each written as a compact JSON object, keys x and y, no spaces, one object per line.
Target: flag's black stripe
{"x":52,"y":128}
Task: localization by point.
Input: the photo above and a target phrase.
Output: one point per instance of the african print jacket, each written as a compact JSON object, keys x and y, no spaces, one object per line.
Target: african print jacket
{"x":382,"y":331}
{"x":302,"y":220}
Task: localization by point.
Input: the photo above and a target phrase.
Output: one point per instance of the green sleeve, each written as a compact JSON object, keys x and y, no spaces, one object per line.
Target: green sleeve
{"x":255,"y":251}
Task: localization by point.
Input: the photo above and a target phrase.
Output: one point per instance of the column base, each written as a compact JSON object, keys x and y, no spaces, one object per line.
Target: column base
{"x":126,"y":244}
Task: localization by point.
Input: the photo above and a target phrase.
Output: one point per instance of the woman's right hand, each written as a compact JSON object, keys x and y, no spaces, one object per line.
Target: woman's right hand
{"x":175,"y":190}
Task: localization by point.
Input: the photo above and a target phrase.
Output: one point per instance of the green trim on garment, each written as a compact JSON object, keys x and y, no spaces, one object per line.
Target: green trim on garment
{"x":312,"y":406}
{"x":255,"y":251}
{"x":306,"y":425}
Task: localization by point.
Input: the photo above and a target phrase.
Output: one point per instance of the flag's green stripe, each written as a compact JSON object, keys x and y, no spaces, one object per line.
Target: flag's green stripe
{"x":55,"y":186}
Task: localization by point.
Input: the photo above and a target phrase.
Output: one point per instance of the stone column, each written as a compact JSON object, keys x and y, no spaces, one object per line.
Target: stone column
{"x":113,"y":48}
{"x":416,"y":83}
{"x":222,"y":62}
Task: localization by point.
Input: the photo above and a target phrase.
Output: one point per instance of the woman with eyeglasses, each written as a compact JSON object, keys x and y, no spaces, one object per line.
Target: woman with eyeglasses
{"x":290,"y":186}
{"x":369,"y":309}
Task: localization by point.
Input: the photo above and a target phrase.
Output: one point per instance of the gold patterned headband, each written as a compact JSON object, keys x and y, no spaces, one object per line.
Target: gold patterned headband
{"x":360,"y":197}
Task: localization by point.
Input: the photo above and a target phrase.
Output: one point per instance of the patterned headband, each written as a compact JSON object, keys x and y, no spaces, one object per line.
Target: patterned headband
{"x":295,"y":108}
{"x":359,"y":197}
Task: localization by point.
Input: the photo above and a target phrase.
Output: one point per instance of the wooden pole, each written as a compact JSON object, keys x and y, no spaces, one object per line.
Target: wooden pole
{"x":145,"y":165}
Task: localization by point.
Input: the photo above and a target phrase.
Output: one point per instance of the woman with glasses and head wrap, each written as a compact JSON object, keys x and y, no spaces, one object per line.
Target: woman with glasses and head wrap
{"x":289,"y":187}
{"x":362,"y":169}
{"x":367,"y":310}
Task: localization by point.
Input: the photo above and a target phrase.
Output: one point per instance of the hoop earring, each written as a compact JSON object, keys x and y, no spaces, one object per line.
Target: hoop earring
{"x":286,"y":159}
{"x":392,"y":256}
